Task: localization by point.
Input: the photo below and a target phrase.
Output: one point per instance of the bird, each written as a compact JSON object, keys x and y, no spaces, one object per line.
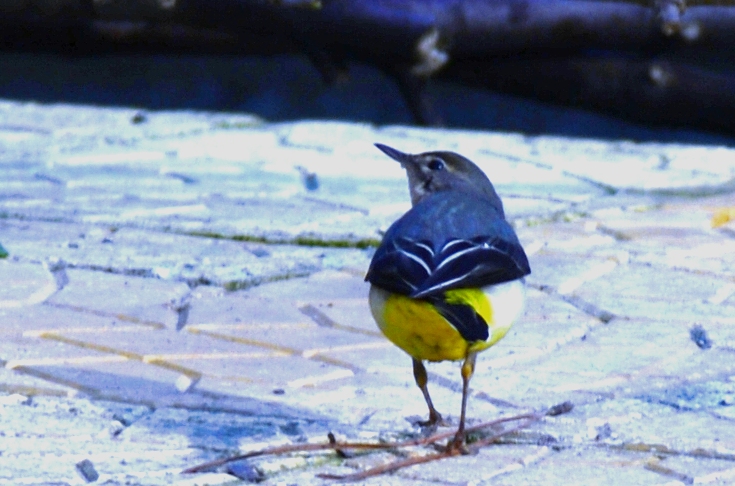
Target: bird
{"x":447,"y":280}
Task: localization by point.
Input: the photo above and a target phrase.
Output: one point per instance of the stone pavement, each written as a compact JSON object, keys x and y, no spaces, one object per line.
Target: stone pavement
{"x":186,"y":286}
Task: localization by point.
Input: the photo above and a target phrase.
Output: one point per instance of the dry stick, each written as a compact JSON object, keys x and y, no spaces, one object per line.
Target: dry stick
{"x":394,"y":466}
{"x":332,"y":444}
{"x":558,"y":409}
{"x":489,"y":440}
{"x":283,"y":450}
{"x":555,"y":410}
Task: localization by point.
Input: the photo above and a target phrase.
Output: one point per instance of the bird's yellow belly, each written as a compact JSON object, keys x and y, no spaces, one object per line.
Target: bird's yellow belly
{"x":418,"y":329}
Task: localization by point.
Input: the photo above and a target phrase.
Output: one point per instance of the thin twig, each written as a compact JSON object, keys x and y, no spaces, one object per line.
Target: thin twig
{"x":341,"y":446}
{"x":558,"y":409}
{"x":489,"y":440}
{"x":387,"y":468}
{"x":394,"y":466}
{"x":285,"y":449}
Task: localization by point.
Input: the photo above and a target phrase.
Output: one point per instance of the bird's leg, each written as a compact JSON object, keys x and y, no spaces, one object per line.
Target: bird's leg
{"x":419,"y":374}
{"x":468,"y":368}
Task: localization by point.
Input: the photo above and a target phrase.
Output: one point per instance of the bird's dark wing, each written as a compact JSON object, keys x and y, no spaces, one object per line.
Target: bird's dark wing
{"x":401,"y":265}
{"x":484,"y":260}
{"x":448,"y":241}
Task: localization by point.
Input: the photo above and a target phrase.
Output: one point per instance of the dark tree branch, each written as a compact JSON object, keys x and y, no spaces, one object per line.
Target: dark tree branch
{"x":642,"y":90}
{"x":600,"y":55}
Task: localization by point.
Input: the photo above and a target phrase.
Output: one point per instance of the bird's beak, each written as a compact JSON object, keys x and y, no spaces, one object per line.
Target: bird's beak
{"x":406,"y":160}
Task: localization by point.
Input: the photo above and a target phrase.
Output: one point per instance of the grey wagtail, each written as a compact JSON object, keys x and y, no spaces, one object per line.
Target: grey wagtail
{"x":447,"y":279}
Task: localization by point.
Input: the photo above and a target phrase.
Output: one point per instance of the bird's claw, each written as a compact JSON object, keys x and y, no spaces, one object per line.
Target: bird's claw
{"x":435,"y":420}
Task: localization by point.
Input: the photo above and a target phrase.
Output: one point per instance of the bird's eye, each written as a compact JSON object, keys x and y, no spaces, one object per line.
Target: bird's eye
{"x":436,"y":164}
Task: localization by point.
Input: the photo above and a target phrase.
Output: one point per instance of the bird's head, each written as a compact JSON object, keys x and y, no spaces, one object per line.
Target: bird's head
{"x":432,"y":172}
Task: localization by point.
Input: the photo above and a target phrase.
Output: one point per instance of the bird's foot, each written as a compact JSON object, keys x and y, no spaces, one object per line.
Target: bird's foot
{"x":457,"y":445}
{"x":435,"y":420}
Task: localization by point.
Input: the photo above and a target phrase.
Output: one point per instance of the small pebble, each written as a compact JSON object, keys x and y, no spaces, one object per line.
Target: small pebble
{"x":700,"y":337}
{"x":138,"y":118}
{"x":86,"y":469}
{"x":308,"y":179}
{"x":115,"y":428}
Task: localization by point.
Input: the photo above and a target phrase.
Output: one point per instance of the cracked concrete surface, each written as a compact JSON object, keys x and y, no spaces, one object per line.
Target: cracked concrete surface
{"x":184,"y":286}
